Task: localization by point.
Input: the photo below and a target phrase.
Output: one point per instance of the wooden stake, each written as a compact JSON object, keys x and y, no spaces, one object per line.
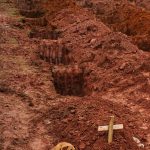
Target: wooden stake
{"x":110,"y":130}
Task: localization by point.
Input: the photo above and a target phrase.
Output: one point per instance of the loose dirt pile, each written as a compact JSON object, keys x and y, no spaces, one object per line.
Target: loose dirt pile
{"x":89,"y":73}
{"x":77,"y":122}
{"x":143,"y":3}
{"x":99,"y":51}
{"x":124,"y":17}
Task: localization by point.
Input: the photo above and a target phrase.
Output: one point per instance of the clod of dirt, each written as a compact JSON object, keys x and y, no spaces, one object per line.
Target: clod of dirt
{"x":6,"y":89}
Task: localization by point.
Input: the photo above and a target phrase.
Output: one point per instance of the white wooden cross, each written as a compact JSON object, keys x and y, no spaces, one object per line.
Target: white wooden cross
{"x":110,"y":128}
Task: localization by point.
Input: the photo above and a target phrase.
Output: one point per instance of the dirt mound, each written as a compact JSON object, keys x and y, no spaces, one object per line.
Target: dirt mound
{"x":124,"y":17}
{"x":77,"y":122}
{"x":143,"y":3}
{"x":98,"y":50}
{"x":54,"y":6}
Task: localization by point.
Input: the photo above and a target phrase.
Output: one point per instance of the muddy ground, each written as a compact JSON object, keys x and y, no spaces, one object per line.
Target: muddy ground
{"x":64,"y":72}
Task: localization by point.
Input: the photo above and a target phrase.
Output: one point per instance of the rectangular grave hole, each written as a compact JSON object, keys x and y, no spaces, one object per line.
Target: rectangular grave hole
{"x":68,"y":80}
{"x":32,"y":13}
{"x":45,"y":33}
{"x":55,"y":52}
{"x":40,"y":22}
{"x":27,"y":4}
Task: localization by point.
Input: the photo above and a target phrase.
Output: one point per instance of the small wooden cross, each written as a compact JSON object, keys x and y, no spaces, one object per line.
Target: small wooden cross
{"x":110,"y":128}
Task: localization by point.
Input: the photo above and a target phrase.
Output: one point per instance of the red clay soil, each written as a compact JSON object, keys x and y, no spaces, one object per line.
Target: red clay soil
{"x":143,"y":3}
{"x":87,"y":74}
{"x":123,"y":16}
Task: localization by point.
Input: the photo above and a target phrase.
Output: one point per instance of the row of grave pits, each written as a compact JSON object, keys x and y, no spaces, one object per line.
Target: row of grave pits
{"x":68,"y":77}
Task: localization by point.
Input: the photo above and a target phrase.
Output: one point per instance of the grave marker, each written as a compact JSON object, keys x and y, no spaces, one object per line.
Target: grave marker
{"x":110,"y":128}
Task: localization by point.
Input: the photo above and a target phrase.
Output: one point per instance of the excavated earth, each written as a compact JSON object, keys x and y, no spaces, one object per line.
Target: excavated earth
{"x":123,"y":16}
{"x":65,"y":69}
{"x":143,"y":3}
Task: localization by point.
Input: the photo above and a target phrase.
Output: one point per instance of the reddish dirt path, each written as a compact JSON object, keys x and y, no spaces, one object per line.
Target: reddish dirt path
{"x":34,"y":117}
{"x":24,"y":84}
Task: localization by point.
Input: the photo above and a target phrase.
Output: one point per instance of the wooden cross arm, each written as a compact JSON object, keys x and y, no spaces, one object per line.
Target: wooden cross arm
{"x":115,"y":127}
